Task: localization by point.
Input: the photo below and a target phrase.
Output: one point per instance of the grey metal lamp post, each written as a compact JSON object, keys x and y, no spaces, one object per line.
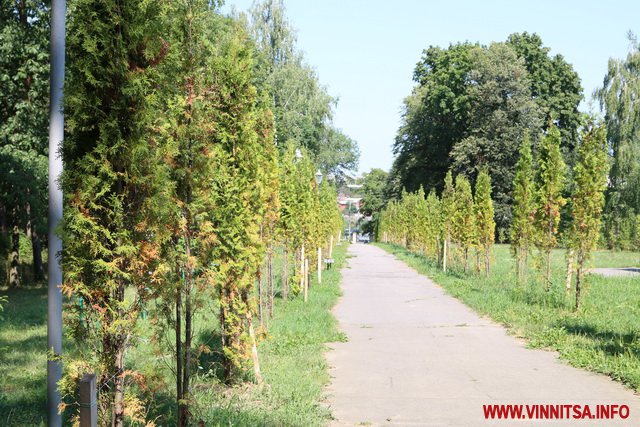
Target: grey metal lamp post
{"x":56,"y":134}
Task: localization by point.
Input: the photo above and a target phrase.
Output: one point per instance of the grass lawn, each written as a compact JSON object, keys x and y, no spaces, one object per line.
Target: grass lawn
{"x":291,"y":357}
{"x":604,"y":336}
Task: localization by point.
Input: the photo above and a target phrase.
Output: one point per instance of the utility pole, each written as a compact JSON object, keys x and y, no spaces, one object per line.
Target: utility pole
{"x":56,"y":134}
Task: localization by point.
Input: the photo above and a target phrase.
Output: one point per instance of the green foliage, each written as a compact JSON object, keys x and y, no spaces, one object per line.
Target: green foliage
{"x":555,"y":87}
{"x":373,"y":187}
{"x":433,"y":225}
{"x":112,"y":182}
{"x":374,"y":184}
{"x":485,"y":224}
{"x":24,"y":108}
{"x":549,"y":184}
{"x":522,"y":229}
{"x":463,"y":222}
{"x":501,"y":110}
{"x":435,"y":117}
{"x":470,"y":108}
{"x":448,"y":204}
{"x":587,"y":202}
{"x":294,"y":87}
{"x":618,"y":98}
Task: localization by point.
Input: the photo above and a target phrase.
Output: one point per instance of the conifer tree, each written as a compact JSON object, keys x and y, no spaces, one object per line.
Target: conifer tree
{"x":421,"y":221}
{"x":485,"y":223}
{"x":463,"y":222}
{"x":522,"y":226}
{"x":287,"y":225}
{"x":114,"y":185}
{"x":434,"y":226}
{"x":447,"y":211}
{"x":549,"y":185}
{"x":590,"y":174}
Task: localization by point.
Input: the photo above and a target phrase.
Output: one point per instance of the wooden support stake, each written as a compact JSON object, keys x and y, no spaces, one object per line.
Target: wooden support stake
{"x":319,"y":264}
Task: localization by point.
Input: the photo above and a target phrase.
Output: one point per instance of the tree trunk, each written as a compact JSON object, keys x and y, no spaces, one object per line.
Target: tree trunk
{"x":178,"y":331}
{"x":579,"y":277}
{"x":38,"y":269}
{"x":548,"y":270}
{"x":487,"y":262}
{"x":319,"y":265}
{"x":224,"y":339}
{"x":254,"y":347}
{"x":570,"y":257}
{"x":188,"y":335}
{"x":305,"y":278}
{"x":548,"y":253}
{"x":36,"y":245}
{"x":3,"y":221}
{"x":285,"y":273}
{"x":260,"y":294}
{"x":444,"y":255}
{"x":331,"y":246}
{"x":118,"y":395}
{"x":270,"y":276}
{"x":466,"y":259}
{"x":302,"y":270}
{"x":14,"y":276}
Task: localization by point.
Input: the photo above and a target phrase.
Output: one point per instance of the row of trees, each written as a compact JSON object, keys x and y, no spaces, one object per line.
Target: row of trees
{"x":178,"y":188}
{"x":24,"y":91}
{"x":301,"y":106}
{"x":441,"y":227}
{"x":472,"y":104}
{"x":431,"y":225}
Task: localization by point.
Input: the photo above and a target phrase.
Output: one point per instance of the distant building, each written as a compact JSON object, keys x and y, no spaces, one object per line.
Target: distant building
{"x":344,"y":201}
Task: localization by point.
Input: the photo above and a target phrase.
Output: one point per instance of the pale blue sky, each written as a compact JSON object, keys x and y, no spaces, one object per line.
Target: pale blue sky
{"x":365,"y":50}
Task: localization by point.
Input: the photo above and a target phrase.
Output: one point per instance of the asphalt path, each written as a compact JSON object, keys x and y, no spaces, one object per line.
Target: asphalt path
{"x":416,"y":356}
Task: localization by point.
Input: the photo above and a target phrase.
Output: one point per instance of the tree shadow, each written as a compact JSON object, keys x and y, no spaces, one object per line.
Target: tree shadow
{"x":210,"y":361}
{"x":610,"y":342}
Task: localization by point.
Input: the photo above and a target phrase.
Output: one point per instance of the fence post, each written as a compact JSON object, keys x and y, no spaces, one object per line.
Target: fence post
{"x":88,"y":401}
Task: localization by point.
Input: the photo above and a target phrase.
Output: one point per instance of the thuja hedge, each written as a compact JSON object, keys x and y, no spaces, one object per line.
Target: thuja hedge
{"x":175,"y":193}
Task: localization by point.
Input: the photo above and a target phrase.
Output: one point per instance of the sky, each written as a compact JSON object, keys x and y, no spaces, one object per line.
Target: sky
{"x":365,"y":51}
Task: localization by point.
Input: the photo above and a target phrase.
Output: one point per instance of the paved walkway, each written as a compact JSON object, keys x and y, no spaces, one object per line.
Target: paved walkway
{"x":617,"y":272}
{"x":418,"y":357}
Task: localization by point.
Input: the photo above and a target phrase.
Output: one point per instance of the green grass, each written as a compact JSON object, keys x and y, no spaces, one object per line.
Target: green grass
{"x":291,"y":356}
{"x":603,"y":336}
{"x":292,"y":362}
{"x":23,"y":362}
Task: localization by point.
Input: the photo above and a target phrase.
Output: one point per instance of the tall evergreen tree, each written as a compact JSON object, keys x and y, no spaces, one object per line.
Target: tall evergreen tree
{"x":485,"y":224}
{"x":549,"y":183}
{"x":463,"y":222}
{"x":433,"y":224}
{"x":448,"y":208}
{"x":590,"y":175}
{"x":112,"y":183}
{"x":522,"y":226}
